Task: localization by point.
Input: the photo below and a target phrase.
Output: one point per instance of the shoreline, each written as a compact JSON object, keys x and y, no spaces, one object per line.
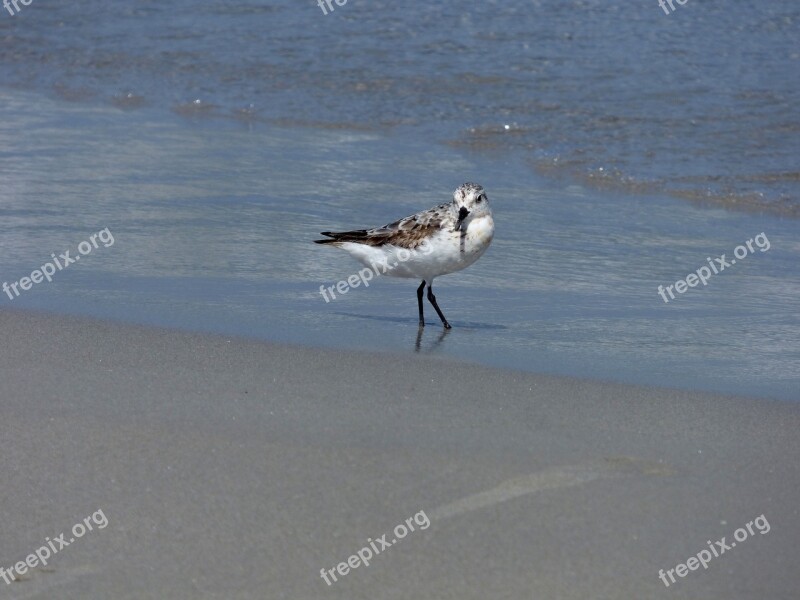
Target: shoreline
{"x":356,"y":354}
{"x":540,"y":303}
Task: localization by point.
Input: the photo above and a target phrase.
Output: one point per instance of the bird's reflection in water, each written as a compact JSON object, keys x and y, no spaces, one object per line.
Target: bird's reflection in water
{"x":435,"y":345}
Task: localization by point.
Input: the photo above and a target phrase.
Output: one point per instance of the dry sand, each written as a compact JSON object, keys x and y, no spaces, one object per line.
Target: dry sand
{"x":231,"y":469}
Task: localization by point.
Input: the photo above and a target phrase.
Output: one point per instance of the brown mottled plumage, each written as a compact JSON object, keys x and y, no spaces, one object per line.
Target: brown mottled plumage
{"x":408,"y":232}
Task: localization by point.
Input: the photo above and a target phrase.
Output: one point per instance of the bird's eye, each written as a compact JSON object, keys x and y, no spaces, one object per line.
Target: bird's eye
{"x":480,"y":199}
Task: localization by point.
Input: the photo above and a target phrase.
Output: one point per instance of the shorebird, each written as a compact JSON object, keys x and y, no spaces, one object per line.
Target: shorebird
{"x":425,"y":245}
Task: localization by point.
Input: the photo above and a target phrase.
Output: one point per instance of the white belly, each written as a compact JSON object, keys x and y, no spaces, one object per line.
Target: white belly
{"x":446,"y":252}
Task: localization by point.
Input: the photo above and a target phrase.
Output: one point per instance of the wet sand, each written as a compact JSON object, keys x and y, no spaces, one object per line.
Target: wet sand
{"x":230,"y":468}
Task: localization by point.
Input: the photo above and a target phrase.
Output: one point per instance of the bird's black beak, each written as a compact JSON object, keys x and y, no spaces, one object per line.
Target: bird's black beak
{"x":462,"y":214}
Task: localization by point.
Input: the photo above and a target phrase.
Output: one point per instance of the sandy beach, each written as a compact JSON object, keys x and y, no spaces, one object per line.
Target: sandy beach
{"x":229,"y":468}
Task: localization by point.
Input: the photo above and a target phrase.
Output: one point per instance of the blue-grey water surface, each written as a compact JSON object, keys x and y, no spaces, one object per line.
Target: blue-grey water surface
{"x":216,"y":139}
{"x":701,"y":103}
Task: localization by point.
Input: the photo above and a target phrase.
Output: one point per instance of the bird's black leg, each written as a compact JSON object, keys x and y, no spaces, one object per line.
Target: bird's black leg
{"x":432,"y":300}
{"x":420,"y":290}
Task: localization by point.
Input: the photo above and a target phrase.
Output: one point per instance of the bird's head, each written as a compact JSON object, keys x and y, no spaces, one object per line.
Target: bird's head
{"x":470,"y":202}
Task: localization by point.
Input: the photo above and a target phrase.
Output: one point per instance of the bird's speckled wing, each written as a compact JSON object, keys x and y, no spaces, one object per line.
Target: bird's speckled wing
{"x":408,"y":232}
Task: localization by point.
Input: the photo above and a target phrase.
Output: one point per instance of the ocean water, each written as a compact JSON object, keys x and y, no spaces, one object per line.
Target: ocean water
{"x":620,"y":147}
{"x":701,"y":103}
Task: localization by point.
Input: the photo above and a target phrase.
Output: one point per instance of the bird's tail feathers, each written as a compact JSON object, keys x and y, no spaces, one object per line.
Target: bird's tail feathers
{"x":337,"y":237}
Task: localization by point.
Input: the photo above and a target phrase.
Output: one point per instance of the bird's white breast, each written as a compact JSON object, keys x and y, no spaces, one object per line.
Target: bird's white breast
{"x":444,"y":252}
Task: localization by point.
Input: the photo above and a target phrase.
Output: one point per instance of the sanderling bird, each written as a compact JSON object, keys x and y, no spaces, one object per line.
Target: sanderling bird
{"x":450,"y":237}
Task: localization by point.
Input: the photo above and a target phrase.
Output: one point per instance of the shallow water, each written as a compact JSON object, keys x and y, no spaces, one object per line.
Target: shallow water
{"x":701,"y":103}
{"x":213,"y":222}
